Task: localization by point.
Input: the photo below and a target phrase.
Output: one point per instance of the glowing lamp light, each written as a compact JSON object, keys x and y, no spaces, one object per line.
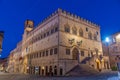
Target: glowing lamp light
{"x":107,"y":39}
{"x":118,"y":36}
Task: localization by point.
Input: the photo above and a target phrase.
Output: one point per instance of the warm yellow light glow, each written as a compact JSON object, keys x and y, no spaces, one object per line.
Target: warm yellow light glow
{"x":29,"y":29}
{"x":118,"y":36}
{"x":43,"y":67}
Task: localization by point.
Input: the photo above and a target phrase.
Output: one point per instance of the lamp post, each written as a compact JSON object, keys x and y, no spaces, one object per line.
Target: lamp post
{"x":107,"y":40}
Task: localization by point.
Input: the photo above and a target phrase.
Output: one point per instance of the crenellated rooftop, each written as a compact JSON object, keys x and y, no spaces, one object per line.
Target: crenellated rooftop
{"x":71,"y":15}
{"x":68,"y":14}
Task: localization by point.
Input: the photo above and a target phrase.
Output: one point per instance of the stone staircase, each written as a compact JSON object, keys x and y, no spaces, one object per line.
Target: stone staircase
{"x":82,"y":70}
{"x":84,"y":61}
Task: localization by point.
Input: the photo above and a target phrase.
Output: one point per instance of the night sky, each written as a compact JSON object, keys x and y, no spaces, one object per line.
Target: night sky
{"x":13,"y":13}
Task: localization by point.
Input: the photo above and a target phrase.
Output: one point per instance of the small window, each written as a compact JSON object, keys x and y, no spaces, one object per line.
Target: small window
{"x":43,"y":54}
{"x":52,"y":31}
{"x":51,"y":52}
{"x":41,"y":36}
{"x":96,"y":32}
{"x":87,"y":29}
{"x":47,"y":53}
{"x":48,"y":33}
{"x":37,"y":55}
{"x":44,"y":34}
{"x":82,"y":53}
{"x":40,"y":54}
{"x":56,"y":29}
{"x":67,"y":28}
{"x":55,"y":50}
{"x":67,"y":51}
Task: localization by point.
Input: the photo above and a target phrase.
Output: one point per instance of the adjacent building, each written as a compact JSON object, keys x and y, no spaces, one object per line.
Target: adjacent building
{"x":3,"y":64}
{"x":112,"y":49}
{"x":14,"y":60}
{"x":59,"y":43}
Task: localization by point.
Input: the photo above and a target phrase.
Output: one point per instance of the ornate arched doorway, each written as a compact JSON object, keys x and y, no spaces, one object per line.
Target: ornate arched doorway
{"x":75,"y":54}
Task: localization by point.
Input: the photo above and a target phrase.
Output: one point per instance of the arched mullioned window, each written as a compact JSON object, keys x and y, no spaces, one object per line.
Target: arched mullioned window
{"x":81,"y":32}
{"x":67,"y":28}
{"x":74,"y":30}
{"x":95,"y":37}
{"x":90,"y":35}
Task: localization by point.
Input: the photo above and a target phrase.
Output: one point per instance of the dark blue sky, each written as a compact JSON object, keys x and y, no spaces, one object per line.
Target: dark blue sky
{"x":13,"y":13}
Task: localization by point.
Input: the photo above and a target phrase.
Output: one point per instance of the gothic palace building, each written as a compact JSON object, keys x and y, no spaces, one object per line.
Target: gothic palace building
{"x":59,"y":43}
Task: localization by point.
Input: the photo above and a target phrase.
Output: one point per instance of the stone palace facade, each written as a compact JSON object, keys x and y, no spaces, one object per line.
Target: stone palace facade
{"x":58,"y":44}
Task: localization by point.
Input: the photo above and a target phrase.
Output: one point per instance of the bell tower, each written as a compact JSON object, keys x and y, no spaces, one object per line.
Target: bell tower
{"x":29,"y":26}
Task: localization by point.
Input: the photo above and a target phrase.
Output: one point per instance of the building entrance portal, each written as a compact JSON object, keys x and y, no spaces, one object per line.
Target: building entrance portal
{"x":75,"y":54}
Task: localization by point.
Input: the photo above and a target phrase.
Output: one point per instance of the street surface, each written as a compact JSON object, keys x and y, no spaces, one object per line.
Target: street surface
{"x":102,"y":76}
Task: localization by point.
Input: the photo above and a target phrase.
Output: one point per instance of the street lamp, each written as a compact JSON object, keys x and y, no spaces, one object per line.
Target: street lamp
{"x":107,"y":40}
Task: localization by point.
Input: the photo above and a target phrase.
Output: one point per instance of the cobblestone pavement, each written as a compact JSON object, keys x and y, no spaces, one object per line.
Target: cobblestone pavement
{"x":102,"y":76}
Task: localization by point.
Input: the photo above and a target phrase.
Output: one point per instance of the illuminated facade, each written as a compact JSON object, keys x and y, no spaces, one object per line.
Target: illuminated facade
{"x":113,"y":49}
{"x":59,"y":43}
{"x":14,"y":62}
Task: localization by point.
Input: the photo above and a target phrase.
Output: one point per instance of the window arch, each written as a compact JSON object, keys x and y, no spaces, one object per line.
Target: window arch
{"x":89,"y":35}
{"x":74,"y":30}
{"x":81,"y":32}
{"x":95,"y":37}
{"x":67,"y":28}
